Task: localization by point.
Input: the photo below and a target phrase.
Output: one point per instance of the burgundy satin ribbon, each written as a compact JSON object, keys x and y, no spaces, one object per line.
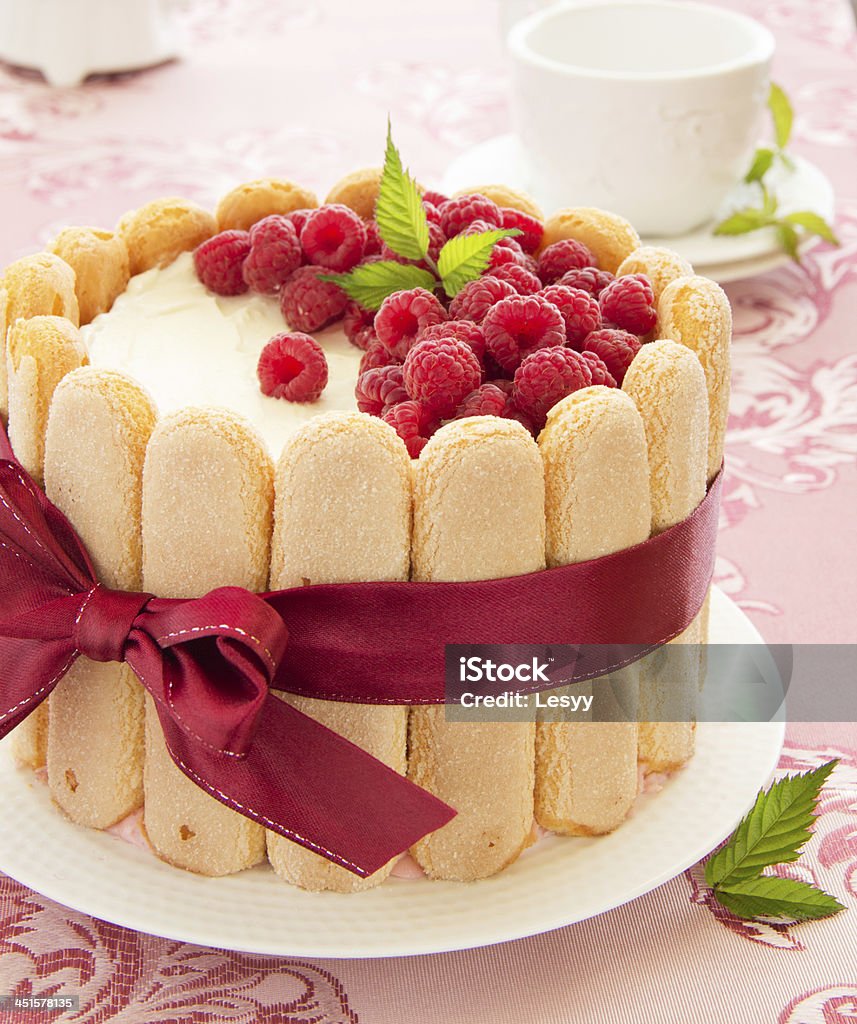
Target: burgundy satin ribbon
{"x":210,"y":663}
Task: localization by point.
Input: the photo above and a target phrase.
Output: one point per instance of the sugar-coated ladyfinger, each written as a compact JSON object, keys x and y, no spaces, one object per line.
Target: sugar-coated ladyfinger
{"x":358,"y":191}
{"x":100,"y":263}
{"x":478,"y":514}
{"x":207,"y":507}
{"x":504,"y":196}
{"x":695,"y":311}
{"x":342,"y":514}
{"x":661,"y":266}
{"x":247,"y":203}
{"x":596,"y":502}
{"x":100,"y":423}
{"x":667,"y":383}
{"x":40,"y":352}
{"x":161,"y":230}
{"x":609,"y":237}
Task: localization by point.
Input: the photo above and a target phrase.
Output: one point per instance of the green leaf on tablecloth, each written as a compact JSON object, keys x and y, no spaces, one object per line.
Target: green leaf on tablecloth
{"x":782,"y":113}
{"x":775,"y":898}
{"x":773,"y":832}
{"x":464,"y":257}
{"x":399,"y":210}
{"x":761,"y":165}
{"x":812,"y":223}
{"x":371,"y":283}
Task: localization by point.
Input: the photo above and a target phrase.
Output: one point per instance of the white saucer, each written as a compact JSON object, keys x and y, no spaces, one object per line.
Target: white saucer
{"x":557,"y":882}
{"x":721,"y":257}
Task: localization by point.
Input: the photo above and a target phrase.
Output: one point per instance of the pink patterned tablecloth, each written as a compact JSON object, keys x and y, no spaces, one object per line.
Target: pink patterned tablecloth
{"x":301,"y":90}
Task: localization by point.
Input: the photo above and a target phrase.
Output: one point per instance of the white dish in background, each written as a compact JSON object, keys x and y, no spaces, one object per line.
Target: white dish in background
{"x":721,"y":257}
{"x":557,"y":882}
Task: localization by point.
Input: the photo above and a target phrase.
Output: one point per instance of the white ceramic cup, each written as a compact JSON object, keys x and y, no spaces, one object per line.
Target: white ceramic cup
{"x":649,"y":108}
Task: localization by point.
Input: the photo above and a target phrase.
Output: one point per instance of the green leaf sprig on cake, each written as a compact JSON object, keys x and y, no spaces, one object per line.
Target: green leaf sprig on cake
{"x":774,"y":832}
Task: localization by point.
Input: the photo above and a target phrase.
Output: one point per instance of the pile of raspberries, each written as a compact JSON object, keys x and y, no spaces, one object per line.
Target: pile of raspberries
{"x":531,"y":330}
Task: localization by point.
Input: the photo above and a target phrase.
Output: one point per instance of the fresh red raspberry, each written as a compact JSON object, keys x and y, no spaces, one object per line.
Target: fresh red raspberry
{"x":545,"y":377}
{"x":519,"y":325}
{"x":292,"y":366}
{"x":579,"y":309}
{"x":299,"y":219}
{"x":440,"y":372}
{"x":486,"y":400}
{"x":477,"y":297}
{"x":630,"y":303}
{"x":308,"y":303}
{"x":589,"y":279}
{"x":355,"y":320}
{"x":600,"y":373}
{"x":479,"y":227}
{"x":218,"y":261}
{"x":376,"y":354}
{"x":334,"y":237}
{"x":461,"y":330}
{"x":432,"y":212}
{"x":518,"y":277}
{"x":412,"y":423}
{"x":506,"y":386}
{"x":373,"y":239}
{"x":456,"y":214}
{"x":567,"y":254}
{"x":532,"y":229}
{"x":616,"y":349}
{"x":403,"y":315}
{"x":437,"y":199}
{"x":275,"y":254}
{"x":437,"y":240}
{"x":503,"y":255}
{"x":378,"y":388}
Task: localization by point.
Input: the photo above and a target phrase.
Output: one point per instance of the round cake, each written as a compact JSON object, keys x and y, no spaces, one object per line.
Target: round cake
{"x":286,"y":393}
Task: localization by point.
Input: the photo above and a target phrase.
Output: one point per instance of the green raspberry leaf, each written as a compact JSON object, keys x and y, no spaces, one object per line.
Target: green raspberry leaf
{"x":761,"y":165}
{"x":399,"y":210}
{"x":742,"y":222}
{"x":777,"y":898}
{"x":371,"y":283}
{"x":782,"y":113}
{"x":812,"y":223}
{"x":773,"y":832}
{"x":464,"y":257}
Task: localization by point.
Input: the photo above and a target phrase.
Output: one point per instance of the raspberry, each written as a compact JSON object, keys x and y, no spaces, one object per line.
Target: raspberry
{"x":479,"y":227}
{"x":518,"y":277}
{"x":545,"y":377}
{"x":275,"y":254}
{"x":532,"y":229}
{"x":503,"y":255}
{"x":373,"y":239}
{"x":600,"y":373}
{"x":456,"y":214}
{"x":292,"y":366}
{"x":219,"y":260}
{"x":403,"y":315}
{"x":486,"y":400}
{"x":630,"y":303}
{"x":308,"y":303}
{"x":461,"y":330}
{"x":355,"y":320}
{"x":412,"y":423}
{"x":519,"y":325}
{"x":437,"y":199}
{"x":432,"y":213}
{"x":477,"y":297}
{"x":378,"y":388}
{"x":616,"y":348}
{"x":376,"y":354}
{"x":579,"y":309}
{"x":589,"y":279}
{"x":334,"y":237}
{"x":439,"y":373}
{"x":506,"y":386}
{"x":299,"y":219}
{"x":567,"y":254}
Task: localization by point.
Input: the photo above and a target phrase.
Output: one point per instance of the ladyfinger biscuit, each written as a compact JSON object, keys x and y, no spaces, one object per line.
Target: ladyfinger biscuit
{"x":342,"y":514}
{"x":40,"y":352}
{"x":504,"y":196}
{"x":38,"y":285}
{"x":101,"y":268}
{"x":696,"y":312}
{"x":100,"y":423}
{"x":661,"y":266}
{"x":252,"y":201}
{"x":667,"y":384}
{"x":358,"y":191}
{"x":596,"y":502}
{"x":161,"y":230}
{"x":478,"y":514}
{"x":609,"y":237}
{"x":207,"y":506}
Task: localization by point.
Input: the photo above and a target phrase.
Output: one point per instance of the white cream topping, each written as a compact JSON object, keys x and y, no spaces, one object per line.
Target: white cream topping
{"x":186,"y":346}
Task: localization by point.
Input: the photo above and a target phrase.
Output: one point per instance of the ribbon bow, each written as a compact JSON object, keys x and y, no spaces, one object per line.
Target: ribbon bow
{"x":208,"y":664}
